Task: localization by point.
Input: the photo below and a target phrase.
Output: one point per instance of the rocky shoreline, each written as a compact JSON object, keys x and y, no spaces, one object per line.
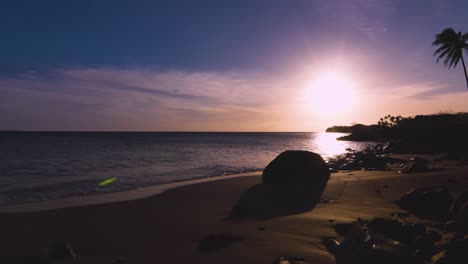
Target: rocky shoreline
{"x":440,"y":237}
{"x":377,"y":157}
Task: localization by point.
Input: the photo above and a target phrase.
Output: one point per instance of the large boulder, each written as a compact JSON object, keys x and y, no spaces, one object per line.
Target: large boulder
{"x":291,"y":167}
{"x":427,"y":201}
{"x":292,"y":183}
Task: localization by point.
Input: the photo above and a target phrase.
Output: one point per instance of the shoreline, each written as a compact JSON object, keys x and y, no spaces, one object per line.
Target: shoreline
{"x":112,"y":197}
{"x":168,"y":227}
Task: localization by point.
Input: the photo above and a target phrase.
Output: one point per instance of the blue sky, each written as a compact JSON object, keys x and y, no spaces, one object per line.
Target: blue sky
{"x":219,"y":65}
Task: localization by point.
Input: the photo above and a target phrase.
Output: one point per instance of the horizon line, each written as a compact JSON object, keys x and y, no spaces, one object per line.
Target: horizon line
{"x":147,"y":131}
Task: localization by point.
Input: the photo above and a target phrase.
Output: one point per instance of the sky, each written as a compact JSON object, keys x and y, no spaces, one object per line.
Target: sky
{"x":220,"y":65}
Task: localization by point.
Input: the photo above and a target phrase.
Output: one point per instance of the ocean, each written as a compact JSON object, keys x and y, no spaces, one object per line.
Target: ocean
{"x":37,"y":166}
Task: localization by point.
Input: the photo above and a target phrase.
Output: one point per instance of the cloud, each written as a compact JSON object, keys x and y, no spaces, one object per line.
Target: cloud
{"x":434,"y":92}
{"x":141,"y":99}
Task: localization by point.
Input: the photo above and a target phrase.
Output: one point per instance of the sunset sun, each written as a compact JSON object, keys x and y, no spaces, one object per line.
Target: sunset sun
{"x":332,"y":93}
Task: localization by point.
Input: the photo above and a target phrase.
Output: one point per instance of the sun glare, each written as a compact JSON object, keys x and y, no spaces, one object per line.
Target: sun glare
{"x":332,"y":93}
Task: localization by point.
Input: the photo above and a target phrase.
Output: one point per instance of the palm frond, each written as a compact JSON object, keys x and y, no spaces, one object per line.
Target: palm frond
{"x":455,"y":59}
{"x":443,"y":47}
{"x":451,"y":44}
{"x":443,"y":54}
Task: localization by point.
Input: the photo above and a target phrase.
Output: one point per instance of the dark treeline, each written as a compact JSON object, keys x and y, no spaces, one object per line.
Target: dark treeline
{"x":422,"y":133}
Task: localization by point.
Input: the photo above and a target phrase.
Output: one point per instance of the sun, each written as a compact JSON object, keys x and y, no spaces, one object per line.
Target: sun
{"x":331,"y":93}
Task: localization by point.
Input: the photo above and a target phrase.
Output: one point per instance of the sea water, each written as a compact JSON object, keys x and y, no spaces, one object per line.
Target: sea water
{"x":37,"y":166}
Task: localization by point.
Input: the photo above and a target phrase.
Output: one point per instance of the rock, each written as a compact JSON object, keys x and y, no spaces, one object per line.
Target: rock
{"x":462,"y":218}
{"x":415,"y":165}
{"x":451,"y":240}
{"x":398,"y":230}
{"x":459,"y":201}
{"x":351,"y":165}
{"x":390,"y":147}
{"x":454,"y":248}
{"x":372,"y":162}
{"x":292,"y":183}
{"x":331,"y":244}
{"x":343,"y":229}
{"x":440,"y":258}
{"x":60,"y":251}
{"x":295,"y":167}
{"x":362,"y":245}
{"x":427,"y":201}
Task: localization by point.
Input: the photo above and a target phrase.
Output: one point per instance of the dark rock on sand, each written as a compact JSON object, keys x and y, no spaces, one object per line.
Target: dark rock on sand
{"x":292,"y":183}
{"x":427,"y":201}
{"x":362,"y":245}
{"x":343,"y":229}
{"x":292,"y":167}
{"x":371,"y":158}
{"x":372,"y":162}
{"x":415,"y":165}
{"x":403,"y":231}
{"x":449,"y":240}
{"x":454,"y":247}
{"x":458,"y":202}
{"x":217,"y":242}
{"x":331,"y":244}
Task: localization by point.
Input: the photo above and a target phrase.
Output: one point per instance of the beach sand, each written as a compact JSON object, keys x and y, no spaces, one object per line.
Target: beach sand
{"x":167,"y":228}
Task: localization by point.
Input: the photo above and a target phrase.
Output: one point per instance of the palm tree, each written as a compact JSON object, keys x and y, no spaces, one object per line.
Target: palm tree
{"x":451,"y":48}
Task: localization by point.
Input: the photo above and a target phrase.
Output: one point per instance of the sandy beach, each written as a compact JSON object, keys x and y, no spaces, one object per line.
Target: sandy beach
{"x":167,"y":228}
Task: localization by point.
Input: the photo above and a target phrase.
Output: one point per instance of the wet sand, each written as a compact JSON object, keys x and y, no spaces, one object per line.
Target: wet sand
{"x":166,"y":228}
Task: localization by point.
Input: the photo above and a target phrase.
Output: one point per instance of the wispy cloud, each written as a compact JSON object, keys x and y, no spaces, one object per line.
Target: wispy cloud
{"x":434,"y":92}
{"x":143,"y":98}
{"x":148,"y":99}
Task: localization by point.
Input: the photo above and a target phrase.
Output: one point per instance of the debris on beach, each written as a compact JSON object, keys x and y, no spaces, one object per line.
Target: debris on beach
{"x":415,"y":165}
{"x":404,"y":239}
{"x":432,"y":201}
{"x":107,"y":181}
{"x":365,"y":246}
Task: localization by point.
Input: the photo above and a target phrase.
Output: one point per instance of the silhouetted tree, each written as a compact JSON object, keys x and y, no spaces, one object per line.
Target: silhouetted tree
{"x":451,"y":48}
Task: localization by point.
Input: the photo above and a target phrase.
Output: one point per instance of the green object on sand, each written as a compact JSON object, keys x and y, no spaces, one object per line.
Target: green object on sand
{"x":108,"y":181}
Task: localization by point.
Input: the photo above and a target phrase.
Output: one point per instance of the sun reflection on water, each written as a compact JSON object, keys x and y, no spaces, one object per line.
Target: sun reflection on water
{"x":327,"y":145}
